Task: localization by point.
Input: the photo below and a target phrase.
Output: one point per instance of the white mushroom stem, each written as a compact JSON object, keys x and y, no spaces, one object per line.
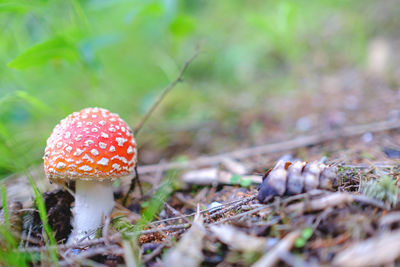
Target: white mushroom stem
{"x":94,"y":201}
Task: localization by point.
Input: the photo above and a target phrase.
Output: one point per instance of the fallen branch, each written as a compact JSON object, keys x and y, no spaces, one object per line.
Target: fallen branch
{"x":295,"y":143}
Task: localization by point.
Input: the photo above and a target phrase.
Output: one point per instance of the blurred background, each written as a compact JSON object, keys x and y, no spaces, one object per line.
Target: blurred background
{"x":268,"y":71}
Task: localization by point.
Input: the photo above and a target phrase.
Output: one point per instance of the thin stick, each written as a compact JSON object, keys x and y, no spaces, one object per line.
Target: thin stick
{"x":333,"y":199}
{"x":235,"y":206}
{"x":242,"y":214}
{"x":151,"y":110}
{"x":301,"y":141}
{"x":166,"y":228}
{"x":272,"y":257}
{"x":155,"y":253}
{"x":132,"y":187}
{"x":166,"y":91}
{"x":211,"y":210}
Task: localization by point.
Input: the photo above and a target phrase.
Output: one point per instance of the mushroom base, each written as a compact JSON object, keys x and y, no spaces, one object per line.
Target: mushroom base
{"x":94,"y":200}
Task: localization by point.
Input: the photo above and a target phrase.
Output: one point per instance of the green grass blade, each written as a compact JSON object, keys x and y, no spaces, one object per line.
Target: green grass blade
{"x":49,"y":236}
{"x":5,"y":207}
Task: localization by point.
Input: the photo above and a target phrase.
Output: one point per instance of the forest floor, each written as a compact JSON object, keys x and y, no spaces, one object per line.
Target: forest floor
{"x":203,"y":210}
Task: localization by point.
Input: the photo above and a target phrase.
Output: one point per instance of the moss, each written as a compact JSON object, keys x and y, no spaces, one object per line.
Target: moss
{"x":384,"y":189}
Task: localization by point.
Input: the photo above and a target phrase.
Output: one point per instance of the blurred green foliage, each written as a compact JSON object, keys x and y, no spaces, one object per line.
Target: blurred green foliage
{"x":57,"y":57}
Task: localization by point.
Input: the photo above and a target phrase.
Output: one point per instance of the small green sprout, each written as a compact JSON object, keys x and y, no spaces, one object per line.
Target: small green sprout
{"x":237,"y":179}
{"x":245,"y":182}
{"x":305,"y":235}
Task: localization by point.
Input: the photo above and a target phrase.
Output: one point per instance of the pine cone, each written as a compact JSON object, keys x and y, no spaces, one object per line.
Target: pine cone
{"x":288,"y":178}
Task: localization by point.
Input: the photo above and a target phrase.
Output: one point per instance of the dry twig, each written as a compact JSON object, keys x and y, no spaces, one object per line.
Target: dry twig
{"x":332,"y":200}
{"x":232,"y":207}
{"x":150,"y":111}
{"x":166,"y":91}
{"x":295,"y":143}
{"x":273,"y":256}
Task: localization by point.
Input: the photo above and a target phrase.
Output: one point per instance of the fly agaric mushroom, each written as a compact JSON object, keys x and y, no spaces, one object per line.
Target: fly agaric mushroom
{"x":92,"y":147}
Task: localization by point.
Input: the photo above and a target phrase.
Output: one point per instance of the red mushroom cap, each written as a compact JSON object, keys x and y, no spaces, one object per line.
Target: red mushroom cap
{"x":90,"y":144}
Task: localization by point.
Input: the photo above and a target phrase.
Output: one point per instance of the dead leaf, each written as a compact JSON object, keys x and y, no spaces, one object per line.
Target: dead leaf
{"x":238,"y":240}
{"x":188,"y":252}
{"x":375,"y":251}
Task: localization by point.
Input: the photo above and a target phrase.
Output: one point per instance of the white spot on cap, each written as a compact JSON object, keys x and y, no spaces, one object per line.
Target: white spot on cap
{"x":94,"y":152}
{"x":78,"y":137}
{"x":69,"y":149}
{"x":111,"y":129}
{"x":116,"y":166}
{"x":88,"y":158}
{"x":112,"y":119}
{"x":84,"y":116}
{"x":95,"y":130}
{"x":116,"y":126}
{"x":94,"y":116}
{"x":104,"y":135}
{"x":61,"y":165}
{"x":124,"y":160}
{"x":121,"y":141}
{"x":112,"y":148}
{"x":102,"y":145}
{"x":79,"y":124}
{"x":103,"y":161}
{"x":69,"y":160}
{"x":132,"y":161}
{"x":78,"y":152}
{"x":85,"y":168}
{"x":130,"y":150}
{"x":59,"y":144}
{"x":102,"y":122}
{"x":123,"y":129}
{"x":88,"y":142}
{"x":67,"y":135}
{"x":89,"y":123}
